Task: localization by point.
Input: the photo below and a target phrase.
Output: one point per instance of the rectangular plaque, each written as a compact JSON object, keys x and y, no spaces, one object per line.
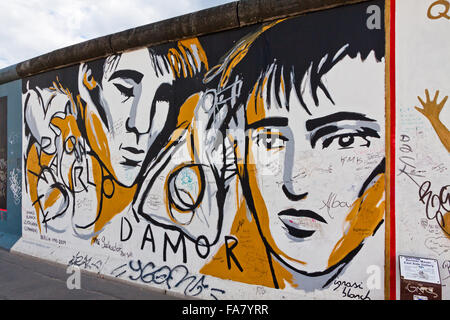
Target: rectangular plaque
{"x":419,"y":279}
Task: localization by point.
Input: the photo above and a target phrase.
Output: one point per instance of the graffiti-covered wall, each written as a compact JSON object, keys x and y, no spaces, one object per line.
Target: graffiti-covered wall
{"x":247,"y":163}
{"x":422,"y":175}
{"x":10,"y":164}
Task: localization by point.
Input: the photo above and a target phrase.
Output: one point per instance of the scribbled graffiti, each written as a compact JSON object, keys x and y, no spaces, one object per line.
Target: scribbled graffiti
{"x":250,"y":155}
{"x":86,"y":262}
{"x":437,"y":204}
{"x":3,"y":181}
{"x":446,"y":269}
{"x":439,"y":9}
{"x":15,"y":184}
{"x":421,"y":289}
{"x":421,"y":137}
{"x":176,"y":277}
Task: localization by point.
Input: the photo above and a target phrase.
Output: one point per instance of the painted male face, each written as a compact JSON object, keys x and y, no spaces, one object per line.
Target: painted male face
{"x":306,"y":171}
{"x":135,"y":103}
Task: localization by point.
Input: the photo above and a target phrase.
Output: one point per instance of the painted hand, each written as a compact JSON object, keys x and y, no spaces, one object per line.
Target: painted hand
{"x":431,"y":108}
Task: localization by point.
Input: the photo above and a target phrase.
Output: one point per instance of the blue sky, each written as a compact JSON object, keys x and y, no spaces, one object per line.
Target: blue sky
{"x":29,"y":28}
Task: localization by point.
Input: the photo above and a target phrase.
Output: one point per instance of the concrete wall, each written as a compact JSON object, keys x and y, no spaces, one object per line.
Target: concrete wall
{"x":246,"y":159}
{"x":423,"y":139}
{"x":11,"y":214}
{"x":258,"y":155}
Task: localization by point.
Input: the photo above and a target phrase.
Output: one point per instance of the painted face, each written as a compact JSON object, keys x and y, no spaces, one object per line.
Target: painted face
{"x":134,"y":102}
{"x":311,"y":175}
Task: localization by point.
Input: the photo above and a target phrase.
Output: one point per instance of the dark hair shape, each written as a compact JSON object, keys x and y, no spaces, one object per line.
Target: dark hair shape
{"x":311,"y":43}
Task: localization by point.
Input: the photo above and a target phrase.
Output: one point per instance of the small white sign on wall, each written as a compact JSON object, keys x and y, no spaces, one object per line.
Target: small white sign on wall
{"x":419,"y":269}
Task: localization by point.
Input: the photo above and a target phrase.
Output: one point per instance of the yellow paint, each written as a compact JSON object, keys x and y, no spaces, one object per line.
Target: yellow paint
{"x":33,"y":167}
{"x":36,"y":161}
{"x":89,"y":85}
{"x":238,"y":53}
{"x":250,"y":252}
{"x":180,"y":63}
{"x":98,"y":141}
{"x":259,"y":203}
{"x":255,"y":109}
{"x":57,"y":86}
{"x":282,"y":84}
{"x":52,"y":198}
{"x":233,"y":63}
{"x":174,"y":61}
{"x":446,"y":224}
{"x":185,"y":119}
{"x":122,"y":197}
{"x":80,"y":105}
{"x":194,"y":43}
{"x":431,"y":110}
{"x":193,"y":143}
{"x":108,"y":206}
{"x":365,"y":215}
{"x":186,"y":65}
{"x":68,"y":127}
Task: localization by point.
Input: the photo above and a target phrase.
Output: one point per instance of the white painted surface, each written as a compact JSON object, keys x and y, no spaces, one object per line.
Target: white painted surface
{"x":422,"y":52}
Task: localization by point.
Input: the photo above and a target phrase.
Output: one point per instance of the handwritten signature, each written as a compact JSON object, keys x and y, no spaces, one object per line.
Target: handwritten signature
{"x":421,"y":289}
{"x":436,"y":205}
{"x":442,"y":9}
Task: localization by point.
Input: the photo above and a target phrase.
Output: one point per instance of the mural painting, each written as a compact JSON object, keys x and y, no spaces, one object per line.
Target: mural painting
{"x":255,"y":155}
{"x":423,"y":136}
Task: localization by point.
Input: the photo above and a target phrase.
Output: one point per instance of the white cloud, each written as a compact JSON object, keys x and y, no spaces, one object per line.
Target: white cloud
{"x":29,"y":28}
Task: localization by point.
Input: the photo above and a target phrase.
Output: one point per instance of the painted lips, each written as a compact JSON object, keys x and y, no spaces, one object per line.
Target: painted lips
{"x":133,"y":150}
{"x":300,"y":222}
{"x":131,"y":162}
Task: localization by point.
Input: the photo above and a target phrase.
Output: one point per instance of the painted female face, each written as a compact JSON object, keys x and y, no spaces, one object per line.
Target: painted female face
{"x":311,"y":176}
{"x":134,"y":102}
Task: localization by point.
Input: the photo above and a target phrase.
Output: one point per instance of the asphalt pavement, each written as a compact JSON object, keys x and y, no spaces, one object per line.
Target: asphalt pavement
{"x":24,"y":277}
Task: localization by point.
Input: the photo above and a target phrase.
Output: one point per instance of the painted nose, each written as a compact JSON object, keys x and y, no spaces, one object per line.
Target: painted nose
{"x":132,"y":126}
{"x":140,"y":119}
{"x":292,"y":172}
{"x":288,"y":191}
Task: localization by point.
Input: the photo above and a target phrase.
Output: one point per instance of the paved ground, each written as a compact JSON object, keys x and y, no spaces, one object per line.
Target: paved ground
{"x":27,"y":278}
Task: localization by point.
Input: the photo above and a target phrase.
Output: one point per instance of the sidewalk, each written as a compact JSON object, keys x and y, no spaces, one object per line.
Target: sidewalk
{"x":27,"y":278}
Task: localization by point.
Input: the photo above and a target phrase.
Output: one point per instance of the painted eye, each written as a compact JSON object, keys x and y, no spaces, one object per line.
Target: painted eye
{"x":347,"y":141}
{"x":271,"y":141}
{"x":127,"y":92}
